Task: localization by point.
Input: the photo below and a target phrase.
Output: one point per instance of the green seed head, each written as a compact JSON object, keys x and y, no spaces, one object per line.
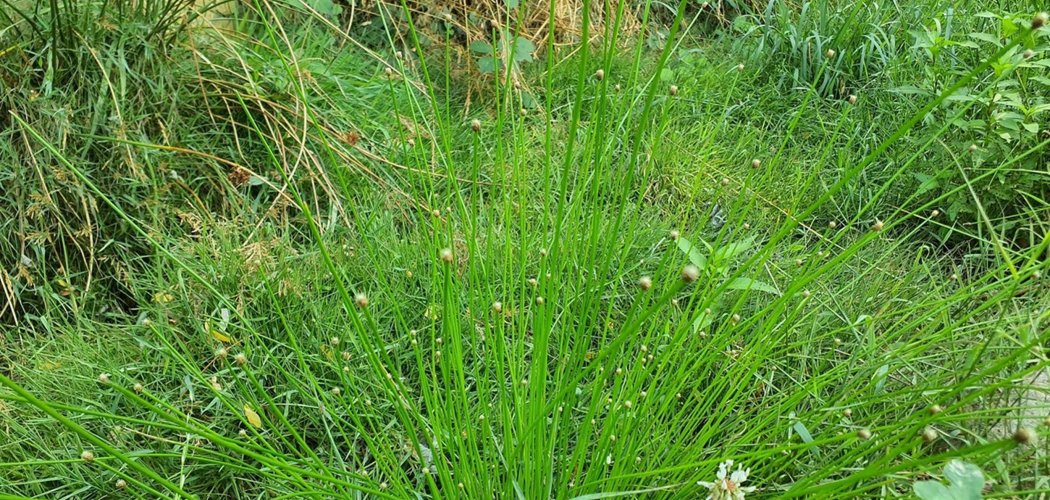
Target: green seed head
{"x":673,"y":90}
{"x":87,"y":456}
{"x":240,"y":359}
{"x":864,"y":434}
{"x":360,"y":300}
{"x":935,"y":409}
{"x":599,"y":75}
{"x":103,"y":378}
{"x":475,"y":125}
{"x":446,"y":255}
{"x":121,"y":484}
{"x":929,"y":434}
{"x":852,"y":99}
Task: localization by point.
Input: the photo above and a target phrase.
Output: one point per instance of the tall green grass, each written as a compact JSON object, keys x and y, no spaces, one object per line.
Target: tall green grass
{"x":535,"y":304}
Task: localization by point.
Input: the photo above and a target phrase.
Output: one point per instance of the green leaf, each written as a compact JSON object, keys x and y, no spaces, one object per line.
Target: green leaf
{"x":926,"y":182}
{"x":487,"y":65}
{"x":880,"y":378}
{"x":703,"y":320}
{"x":698,"y":259}
{"x":966,"y":477}
{"x":481,"y":47}
{"x":523,"y":49}
{"x":751,"y":284}
{"x":325,"y":7}
{"x":931,"y":490}
{"x":733,"y":250}
{"x":512,"y":4}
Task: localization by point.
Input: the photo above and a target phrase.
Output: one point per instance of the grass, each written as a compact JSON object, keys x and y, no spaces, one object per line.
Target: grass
{"x":267,"y":259}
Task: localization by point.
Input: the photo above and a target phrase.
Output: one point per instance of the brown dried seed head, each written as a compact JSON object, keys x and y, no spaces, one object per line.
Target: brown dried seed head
{"x":1024,"y":435}
{"x":599,"y":75}
{"x":360,"y":300}
{"x":446,"y":255}
{"x":690,"y":273}
{"x":864,"y":434}
{"x":673,"y":90}
{"x":475,"y":125}
{"x":645,"y":282}
{"x":756,"y":163}
{"x":1039,"y":20}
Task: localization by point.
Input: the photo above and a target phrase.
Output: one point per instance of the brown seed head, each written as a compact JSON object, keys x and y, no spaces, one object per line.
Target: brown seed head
{"x":446,"y":255}
{"x":690,"y":273}
{"x":645,"y":283}
{"x":475,"y":125}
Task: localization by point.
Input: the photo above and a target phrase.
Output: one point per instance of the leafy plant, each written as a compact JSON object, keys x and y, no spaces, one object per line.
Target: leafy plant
{"x":716,"y":264}
{"x":506,"y":52}
{"x":965,"y":482}
{"x":998,"y":123}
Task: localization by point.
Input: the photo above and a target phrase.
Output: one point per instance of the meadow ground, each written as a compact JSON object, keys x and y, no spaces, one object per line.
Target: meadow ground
{"x":302,"y":248}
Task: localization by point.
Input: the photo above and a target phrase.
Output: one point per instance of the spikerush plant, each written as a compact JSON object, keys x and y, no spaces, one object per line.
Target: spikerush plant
{"x":602,"y":389}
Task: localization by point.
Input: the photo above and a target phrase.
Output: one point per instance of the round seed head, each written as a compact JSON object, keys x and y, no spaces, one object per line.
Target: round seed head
{"x":334,"y":340}
{"x":674,"y":234}
{"x":240,"y":359}
{"x":725,"y":181}
{"x":497,"y":307}
{"x":360,"y":300}
{"x":408,"y":274}
{"x":935,"y":213}
{"x":446,"y":255}
{"x":740,"y":67}
{"x":543,"y":252}
{"x":877,"y":226}
{"x":690,"y":273}
{"x":973,"y":148}
{"x":87,"y":456}
{"x":138,"y":388}
{"x":121,"y":484}
{"x":852,"y":99}
{"x":864,"y":434}
{"x":475,"y":125}
{"x":806,"y":294}
{"x":645,"y":283}
{"x":103,"y":378}
{"x":1039,"y":20}
{"x":830,"y":53}
{"x":599,"y":75}
{"x":336,"y":391}
{"x":533,"y":282}
{"x":756,"y":163}
{"x":523,"y":112}
{"x":1024,"y":435}
{"x":832,"y":224}
{"x":673,"y":90}
{"x":746,"y":226}
{"x":242,"y":433}
{"x":539,"y":301}
{"x":735,"y":318}
{"x":221,"y":352}
{"x":798,"y":262}
{"x":935,"y":409}
{"x":616,"y":87}
{"x":435,"y":212}
{"x":929,"y":434}
{"x":848,"y":412}
{"x":1028,"y":54}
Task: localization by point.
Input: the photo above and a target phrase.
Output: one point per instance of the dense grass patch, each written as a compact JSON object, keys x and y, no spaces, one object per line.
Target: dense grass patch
{"x":264,"y":259}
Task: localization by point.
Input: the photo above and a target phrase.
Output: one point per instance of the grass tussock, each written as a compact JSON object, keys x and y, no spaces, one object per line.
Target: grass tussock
{"x":253,"y":252}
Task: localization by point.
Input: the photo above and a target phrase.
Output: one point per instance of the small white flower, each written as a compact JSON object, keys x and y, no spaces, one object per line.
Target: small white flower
{"x":728,"y":488}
